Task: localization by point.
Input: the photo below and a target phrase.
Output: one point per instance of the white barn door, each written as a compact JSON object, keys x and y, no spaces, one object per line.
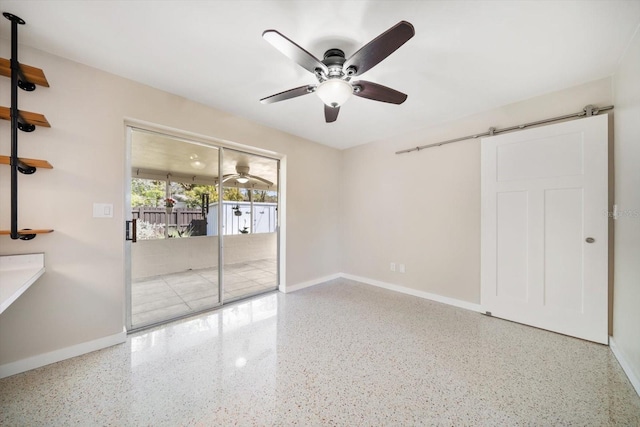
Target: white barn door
{"x":544,"y":227}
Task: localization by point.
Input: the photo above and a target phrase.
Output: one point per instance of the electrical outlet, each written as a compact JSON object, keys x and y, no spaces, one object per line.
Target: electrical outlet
{"x":392,"y":267}
{"x":401,"y":268}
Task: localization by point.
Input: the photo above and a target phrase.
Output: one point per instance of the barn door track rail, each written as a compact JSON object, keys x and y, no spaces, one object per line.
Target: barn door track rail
{"x":589,"y":110}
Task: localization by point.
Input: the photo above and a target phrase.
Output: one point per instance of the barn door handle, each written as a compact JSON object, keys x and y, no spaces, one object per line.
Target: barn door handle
{"x":590,"y":240}
{"x":131,"y":232}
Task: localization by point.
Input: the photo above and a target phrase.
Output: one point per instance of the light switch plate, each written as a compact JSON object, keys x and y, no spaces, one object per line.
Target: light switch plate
{"x":103,"y":210}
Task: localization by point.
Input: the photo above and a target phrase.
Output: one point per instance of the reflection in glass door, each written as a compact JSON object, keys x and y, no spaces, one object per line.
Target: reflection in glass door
{"x":249,"y":224}
{"x":174,"y":261}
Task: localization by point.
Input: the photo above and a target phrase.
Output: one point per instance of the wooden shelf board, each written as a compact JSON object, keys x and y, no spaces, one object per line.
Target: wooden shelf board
{"x":21,"y":232}
{"x":36,"y":163}
{"x":29,"y":117}
{"x":33,"y":74}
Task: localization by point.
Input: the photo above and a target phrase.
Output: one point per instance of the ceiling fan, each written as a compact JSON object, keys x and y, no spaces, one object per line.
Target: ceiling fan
{"x":334,"y":72}
{"x":242,"y":176}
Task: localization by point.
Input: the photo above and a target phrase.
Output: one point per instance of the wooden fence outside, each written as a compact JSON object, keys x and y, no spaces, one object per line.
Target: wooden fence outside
{"x":178,"y":217}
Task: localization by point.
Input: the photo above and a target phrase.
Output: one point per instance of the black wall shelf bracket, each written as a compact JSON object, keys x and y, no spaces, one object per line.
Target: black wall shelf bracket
{"x":23,"y":82}
{"x":13,"y":18}
{"x":24,"y":126}
{"x":25,"y":168}
{"x":27,"y":236}
{"x":26,"y":85}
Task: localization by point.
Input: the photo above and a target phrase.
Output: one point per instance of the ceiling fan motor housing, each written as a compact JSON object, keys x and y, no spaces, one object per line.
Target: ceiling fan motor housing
{"x":333,"y":59}
{"x":242,"y":170}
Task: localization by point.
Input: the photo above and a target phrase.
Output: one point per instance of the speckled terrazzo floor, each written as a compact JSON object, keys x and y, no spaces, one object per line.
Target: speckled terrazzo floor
{"x":339,"y":353}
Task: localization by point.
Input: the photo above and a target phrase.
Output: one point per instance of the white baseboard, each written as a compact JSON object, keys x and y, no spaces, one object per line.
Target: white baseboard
{"x":34,"y":362}
{"x":416,"y":293}
{"x":626,"y":367}
{"x":409,"y":291}
{"x":313,"y":282}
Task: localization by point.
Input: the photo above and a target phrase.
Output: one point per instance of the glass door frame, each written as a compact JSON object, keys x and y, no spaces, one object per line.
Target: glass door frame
{"x":131,"y":125}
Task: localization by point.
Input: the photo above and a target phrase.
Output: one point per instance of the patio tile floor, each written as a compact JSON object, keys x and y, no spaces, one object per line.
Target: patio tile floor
{"x":158,"y":298}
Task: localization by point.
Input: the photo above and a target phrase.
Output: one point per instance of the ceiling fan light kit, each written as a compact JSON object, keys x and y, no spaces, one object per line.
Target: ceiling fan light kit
{"x":242,"y":176}
{"x":334,"y":72}
{"x":196,"y":163}
{"x":334,"y":92}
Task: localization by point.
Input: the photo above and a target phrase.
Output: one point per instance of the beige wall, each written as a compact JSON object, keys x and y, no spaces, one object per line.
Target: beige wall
{"x":626,"y":297}
{"x":81,"y":296}
{"x":422,"y":209}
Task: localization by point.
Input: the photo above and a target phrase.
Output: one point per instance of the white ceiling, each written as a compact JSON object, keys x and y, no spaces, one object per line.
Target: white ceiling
{"x":466,"y":57}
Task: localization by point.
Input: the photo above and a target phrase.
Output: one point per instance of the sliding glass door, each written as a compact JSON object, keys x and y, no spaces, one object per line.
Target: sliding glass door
{"x":187,"y":201}
{"x":174,"y":261}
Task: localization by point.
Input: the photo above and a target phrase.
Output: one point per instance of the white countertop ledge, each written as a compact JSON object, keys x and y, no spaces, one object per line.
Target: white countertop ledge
{"x":17,"y":273}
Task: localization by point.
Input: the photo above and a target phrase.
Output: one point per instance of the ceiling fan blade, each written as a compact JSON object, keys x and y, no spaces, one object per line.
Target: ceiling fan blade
{"x":379,"y":48}
{"x":288,"y":94}
{"x":293,"y":51}
{"x":378,"y":92}
{"x":257,"y":178}
{"x":331,"y":113}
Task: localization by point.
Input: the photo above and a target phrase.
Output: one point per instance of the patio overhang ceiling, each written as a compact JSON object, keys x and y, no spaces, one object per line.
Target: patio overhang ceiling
{"x":154,"y":155}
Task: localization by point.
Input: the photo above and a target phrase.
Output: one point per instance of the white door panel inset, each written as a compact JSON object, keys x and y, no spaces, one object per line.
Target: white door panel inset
{"x":543,"y":194}
{"x":554,"y":156}
{"x":563,"y":255}
{"x":512,"y":245}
